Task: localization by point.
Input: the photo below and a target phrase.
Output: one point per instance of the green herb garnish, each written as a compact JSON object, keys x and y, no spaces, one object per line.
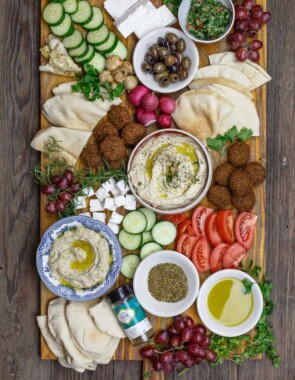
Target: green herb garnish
{"x":118,"y":91}
{"x":247,"y":285}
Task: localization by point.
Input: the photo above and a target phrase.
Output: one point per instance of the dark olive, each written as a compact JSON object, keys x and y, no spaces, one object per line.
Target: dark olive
{"x":165,"y":81}
{"x":181,"y":45}
{"x":147,"y":67}
{"x":172,"y":48}
{"x":186,"y":63}
{"x":173,"y":68}
{"x":159,"y":76}
{"x":153,"y":52}
{"x":161,"y":41}
{"x":173,"y":78}
{"x":150,"y":59}
{"x":179,"y":57}
{"x":183,"y":74}
{"x":172,"y":38}
{"x":170,"y":60}
{"x":159,"y":67}
{"x":163,"y":52}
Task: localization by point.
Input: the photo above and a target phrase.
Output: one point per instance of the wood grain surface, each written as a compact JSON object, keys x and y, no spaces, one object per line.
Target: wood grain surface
{"x":19,"y":285}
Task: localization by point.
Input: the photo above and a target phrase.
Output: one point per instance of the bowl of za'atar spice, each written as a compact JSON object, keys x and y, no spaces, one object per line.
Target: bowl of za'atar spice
{"x":166,"y":283}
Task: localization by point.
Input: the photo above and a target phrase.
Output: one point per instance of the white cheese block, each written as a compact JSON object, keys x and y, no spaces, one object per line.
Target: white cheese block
{"x":161,"y":18}
{"x":95,"y":205}
{"x":85,"y":214}
{"x":117,"y":8}
{"x":116,"y":218}
{"x":88,"y":192}
{"x":120,"y":200}
{"x":135,"y":17}
{"x":114,"y":227}
{"x":101,"y":216}
{"x":109,"y":204}
{"x":122,"y":187}
{"x":80,"y":202}
{"x":101,"y":194}
{"x":109,"y":185}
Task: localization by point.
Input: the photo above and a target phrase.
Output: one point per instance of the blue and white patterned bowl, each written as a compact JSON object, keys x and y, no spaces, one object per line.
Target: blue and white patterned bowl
{"x":43,"y":255}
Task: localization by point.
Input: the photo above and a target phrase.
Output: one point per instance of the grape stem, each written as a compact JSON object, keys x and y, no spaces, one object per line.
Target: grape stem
{"x":183,"y":371}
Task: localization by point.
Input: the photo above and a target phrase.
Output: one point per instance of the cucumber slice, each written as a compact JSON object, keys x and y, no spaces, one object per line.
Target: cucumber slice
{"x":98,"y":37}
{"x":87,"y":57}
{"x":120,"y":50}
{"x":64,"y":29}
{"x":73,"y":41}
{"x":96,"y":21}
{"x":129,"y":265}
{"x":84,"y":13}
{"x":149,"y":248}
{"x":135,"y":222}
{"x":128,"y":241}
{"x":151,"y":217}
{"x":164,"y":232}
{"x":81,"y":51}
{"x":146,"y":237}
{"x":98,"y":62}
{"x":70,"y":6}
{"x":109,"y":45}
{"x":53,"y":14}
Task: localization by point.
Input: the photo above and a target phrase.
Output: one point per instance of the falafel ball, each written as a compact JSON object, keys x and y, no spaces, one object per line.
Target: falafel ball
{"x":117,"y":164}
{"x":118,"y":116}
{"x":240,"y":182}
{"x":219,"y":196}
{"x":238,"y":153}
{"x":244,"y":203}
{"x":104,"y":130}
{"x":256,"y":171}
{"x":132,"y":133}
{"x":91,"y":156}
{"x":223,"y":172}
{"x":113,"y":148}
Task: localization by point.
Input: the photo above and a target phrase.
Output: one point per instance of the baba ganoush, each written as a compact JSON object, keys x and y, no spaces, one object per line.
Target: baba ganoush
{"x":169,"y":171}
{"x":80,"y":258}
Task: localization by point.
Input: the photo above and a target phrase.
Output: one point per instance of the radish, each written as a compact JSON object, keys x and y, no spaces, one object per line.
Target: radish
{"x":150,"y":102}
{"x":146,"y":118}
{"x":167,"y":105}
{"x":165,"y":120}
{"x":135,"y":96}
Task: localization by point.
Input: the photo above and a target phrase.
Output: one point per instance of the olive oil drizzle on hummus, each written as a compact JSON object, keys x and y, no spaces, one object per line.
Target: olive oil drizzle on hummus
{"x":89,"y":255}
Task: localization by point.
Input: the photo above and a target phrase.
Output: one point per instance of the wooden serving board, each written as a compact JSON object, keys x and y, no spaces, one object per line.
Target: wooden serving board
{"x":125,"y":350}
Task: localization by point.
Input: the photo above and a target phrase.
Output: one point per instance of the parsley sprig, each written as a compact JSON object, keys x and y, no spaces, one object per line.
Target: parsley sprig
{"x":247,"y":346}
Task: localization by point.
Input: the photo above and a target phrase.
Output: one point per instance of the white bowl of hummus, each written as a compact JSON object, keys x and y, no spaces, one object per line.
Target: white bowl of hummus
{"x":170,"y":171}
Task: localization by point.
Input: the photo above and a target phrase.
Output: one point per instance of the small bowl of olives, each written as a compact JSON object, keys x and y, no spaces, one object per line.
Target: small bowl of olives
{"x":165,"y":60}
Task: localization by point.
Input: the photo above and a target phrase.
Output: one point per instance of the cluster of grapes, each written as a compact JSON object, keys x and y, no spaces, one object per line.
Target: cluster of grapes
{"x":60,"y":191}
{"x":249,"y":18}
{"x":183,"y":342}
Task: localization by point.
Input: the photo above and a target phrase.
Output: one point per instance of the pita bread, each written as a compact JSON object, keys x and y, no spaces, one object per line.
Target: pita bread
{"x":105,"y":319}
{"x":64,"y":88}
{"x":226,"y":72}
{"x":55,"y":347}
{"x":257,"y":75}
{"x":71,"y":141}
{"x":89,"y":340}
{"x":203,"y":113}
{"x":199,"y":83}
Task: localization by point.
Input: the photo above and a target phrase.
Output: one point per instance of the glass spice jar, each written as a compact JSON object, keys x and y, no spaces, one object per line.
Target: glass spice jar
{"x":131,"y":315}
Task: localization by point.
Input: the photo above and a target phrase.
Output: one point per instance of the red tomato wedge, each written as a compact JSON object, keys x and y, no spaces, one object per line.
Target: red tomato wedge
{"x":211,"y":230}
{"x":232,"y":258}
{"x":216,"y":257}
{"x":187,"y":245}
{"x":190,"y":230}
{"x":225,"y":225}
{"x":180,"y":242}
{"x":201,"y":254}
{"x":198,"y":220}
{"x":244,"y":228}
{"x":182,"y":227}
{"x":176,"y":218}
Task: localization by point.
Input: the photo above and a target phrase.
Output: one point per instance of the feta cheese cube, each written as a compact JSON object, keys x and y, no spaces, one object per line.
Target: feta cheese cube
{"x":109,"y":185}
{"x":123,"y":187}
{"x":88,"y":192}
{"x":101,"y":194}
{"x":80,"y":202}
{"x":130,"y":206}
{"x":85,"y":214}
{"x":109,"y":203}
{"x":101,"y":216}
{"x":95,"y":205}
{"x":120,"y":200}
{"x":115,"y":192}
{"x":117,"y":8}
{"x":114,"y":227}
{"x":130,"y":198}
{"x":116,"y":218}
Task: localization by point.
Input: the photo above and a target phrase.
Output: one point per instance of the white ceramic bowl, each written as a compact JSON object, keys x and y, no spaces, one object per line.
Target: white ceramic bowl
{"x":144,"y":297}
{"x":208,"y":321}
{"x":142,"y":48}
{"x":182,"y":16}
{"x":190,"y":204}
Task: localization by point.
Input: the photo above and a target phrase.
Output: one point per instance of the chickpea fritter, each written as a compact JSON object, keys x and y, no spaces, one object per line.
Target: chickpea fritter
{"x":118,"y":116}
{"x":256,"y":171}
{"x":113,"y":148}
{"x":104,"y":130}
{"x":133,"y":133}
{"x":223,"y":172}
{"x":219,"y":196}
{"x":91,"y":156}
{"x":117,"y":164}
{"x":244,"y":203}
{"x":238,"y":153}
{"x":240,"y":182}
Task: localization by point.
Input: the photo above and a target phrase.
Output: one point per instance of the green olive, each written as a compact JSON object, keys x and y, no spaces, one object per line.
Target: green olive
{"x":183,"y":74}
{"x":181,"y":45}
{"x":147,"y":67}
{"x":159,"y":67}
{"x":172,"y":47}
{"x":161,"y":75}
{"x":153,"y":52}
{"x":172,"y":38}
{"x":169,"y":60}
{"x":186,"y":63}
{"x":163,"y":52}
{"x":173,"y":77}
{"x":165,"y":81}
{"x":179,"y":57}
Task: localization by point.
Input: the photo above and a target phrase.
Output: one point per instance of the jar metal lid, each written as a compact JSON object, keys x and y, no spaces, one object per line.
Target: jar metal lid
{"x":120,"y":293}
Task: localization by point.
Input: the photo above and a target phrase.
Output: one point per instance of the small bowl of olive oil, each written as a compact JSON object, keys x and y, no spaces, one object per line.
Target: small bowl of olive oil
{"x":230,"y":303}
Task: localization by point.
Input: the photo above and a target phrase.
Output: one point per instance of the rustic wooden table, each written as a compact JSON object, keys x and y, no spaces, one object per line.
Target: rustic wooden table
{"x":19,"y":204}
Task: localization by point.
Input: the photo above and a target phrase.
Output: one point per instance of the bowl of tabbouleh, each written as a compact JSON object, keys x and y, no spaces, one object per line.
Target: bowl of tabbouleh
{"x":166,"y":283}
{"x":206,"y":21}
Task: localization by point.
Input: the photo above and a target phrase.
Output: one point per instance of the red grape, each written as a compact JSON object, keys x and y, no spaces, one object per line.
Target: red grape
{"x":241,"y":25}
{"x":189,"y":363}
{"x":157,"y":365}
{"x":51,"y":208}
{"x":63,"y":183}
{"x":55,"y":178}
{"x":241,"y":13}
{"x":162,"y":338}
{"x":187,"y":334}
{"x":147,"y":352}
{"x":47,"y":189}
{"x":177,"y":318}
{"x":171,"y":330}
{"x":69,"y":176}
{"x":254,"y":55}
{"x":66,"y":196}
{"x":211,"y":356}
{"x":168,"y":367}
{"x":206,"y":341}
{"x":251,"y":33}
{"x":200,"y":329}
{"x":257,"y":11}
{"x":197,"y":338}
{"x":198,"y":360}
{"x":254,"y":25}
{"x":75,"y":187}
{"x":179,"y":325}
{"x":189,"y":322}
{"x":242,"y":54}
{"x":60,"y":205}
{"x":166,"y":357}
{"x":256,"y":45}
{"x":265,"y":18}
{"x":196,"y":350}
{"x":175,"y":340}
{"x":248,"y":4}
{"x":182,"y":356}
